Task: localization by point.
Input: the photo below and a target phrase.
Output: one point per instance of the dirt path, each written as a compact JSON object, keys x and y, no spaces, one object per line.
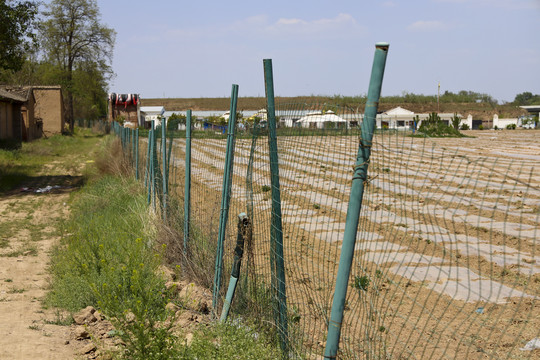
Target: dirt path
{"x":28,"y":232}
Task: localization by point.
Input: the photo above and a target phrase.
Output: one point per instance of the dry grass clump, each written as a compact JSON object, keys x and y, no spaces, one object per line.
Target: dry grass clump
{"x":195,"y":263}
{"x":112,"y":160}
{"x":101,"y":127}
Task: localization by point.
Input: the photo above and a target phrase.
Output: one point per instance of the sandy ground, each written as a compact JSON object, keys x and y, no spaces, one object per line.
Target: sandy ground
{"x":28,"y":223}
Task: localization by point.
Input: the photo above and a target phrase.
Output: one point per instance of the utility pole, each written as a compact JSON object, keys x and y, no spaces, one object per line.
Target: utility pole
{"x":438,"y":96}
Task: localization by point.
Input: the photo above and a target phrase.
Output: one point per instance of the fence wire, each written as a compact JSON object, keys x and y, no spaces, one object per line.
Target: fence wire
{"x":446,"y":263}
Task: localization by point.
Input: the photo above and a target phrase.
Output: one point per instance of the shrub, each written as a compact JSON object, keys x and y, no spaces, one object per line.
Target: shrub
{"x":176,"y":119}
{"x":433,"y":126}
{"x":455,"y":121}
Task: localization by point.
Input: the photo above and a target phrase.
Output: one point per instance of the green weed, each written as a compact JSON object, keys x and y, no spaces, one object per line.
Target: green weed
{"x":16,"y":290}
{"x":230,"y":341}
{"x":27,"y":250}
{"x":361,"y":282}
{"x":60,"y":320}
{"x":108,"y":261}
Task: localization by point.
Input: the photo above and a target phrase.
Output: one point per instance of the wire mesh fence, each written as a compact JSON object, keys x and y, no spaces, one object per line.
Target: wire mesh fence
{"x":447,"y":259}
{"x":443,"y":263}
{"x":446,"y":263}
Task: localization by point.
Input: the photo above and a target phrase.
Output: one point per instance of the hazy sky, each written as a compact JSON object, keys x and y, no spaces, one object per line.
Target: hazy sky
{"x":199,"y":48}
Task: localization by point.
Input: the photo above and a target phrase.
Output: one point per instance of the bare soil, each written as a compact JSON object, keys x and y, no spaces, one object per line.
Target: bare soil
{"x":448,"y":239}
{"x":29,"y":219}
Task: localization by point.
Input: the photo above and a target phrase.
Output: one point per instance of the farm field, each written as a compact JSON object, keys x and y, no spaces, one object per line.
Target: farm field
{"x":446,"y":259}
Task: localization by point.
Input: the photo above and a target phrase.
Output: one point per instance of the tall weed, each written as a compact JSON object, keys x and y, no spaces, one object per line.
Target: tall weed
{"x":107,"y":260}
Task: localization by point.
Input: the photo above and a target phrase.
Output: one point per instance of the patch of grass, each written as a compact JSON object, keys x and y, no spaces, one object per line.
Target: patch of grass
{"x":10,"y":228}
{"x":18,"y":166}
{"x":6,"y":229}
{"x":27,"y":250}
{"x":15,"y":290}
{"x":361,"y":282}
{"x":60,"y":320}
{"x":108,"y":261}
{"x":230,"y":341}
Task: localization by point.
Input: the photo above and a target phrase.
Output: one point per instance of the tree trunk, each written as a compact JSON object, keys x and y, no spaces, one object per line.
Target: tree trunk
{"x":70,"y":98}
{"x":70,"y":112}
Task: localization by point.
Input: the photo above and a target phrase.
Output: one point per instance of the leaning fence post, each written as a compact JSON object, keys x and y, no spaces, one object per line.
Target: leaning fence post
{"x":276,"y":230}
{"x":355,"y":201}
{"x":244,"y":227}
{"x":187,"y":187}
{"x":225,"y":194}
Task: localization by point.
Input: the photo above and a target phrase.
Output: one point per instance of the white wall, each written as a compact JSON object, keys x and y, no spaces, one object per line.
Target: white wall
{"x":502,"y":123}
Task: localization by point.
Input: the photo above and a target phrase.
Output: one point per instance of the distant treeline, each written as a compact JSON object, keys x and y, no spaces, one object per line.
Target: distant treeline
{"x":481,"y":106}
{"x":462,"y":97}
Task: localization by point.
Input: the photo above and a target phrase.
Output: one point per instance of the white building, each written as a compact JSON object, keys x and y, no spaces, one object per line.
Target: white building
{"x":149,"y":113}
{"x":396,"y":118}
{"x":402,"y":119}
{"x":319,"y":120}
{"x":503,"y":123}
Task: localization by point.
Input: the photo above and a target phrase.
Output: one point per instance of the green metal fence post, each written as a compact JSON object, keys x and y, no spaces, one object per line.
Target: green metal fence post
{"x":132,"y":134}
{"x":276,"y":229}
{"x":355,"y":201}
{"x":155,"y":165}
{"x":169,"y":152}
{"x":137,"y":153}
{"x":151,"y":166}
{"x":244,"y":226}
{"x":147,"y":170}
{"x":164,"y":162}
{"x":225,"y":195}
{"x":187,"y":186}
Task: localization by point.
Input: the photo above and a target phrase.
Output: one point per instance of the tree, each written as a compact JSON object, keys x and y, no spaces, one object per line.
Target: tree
{"x":455,"y":121}
{"x":72,"y":37}
{"x":89,"y":92}
{"x":174,"y":120}
{"x":16,"y":32}
{"x":526,"y":98}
